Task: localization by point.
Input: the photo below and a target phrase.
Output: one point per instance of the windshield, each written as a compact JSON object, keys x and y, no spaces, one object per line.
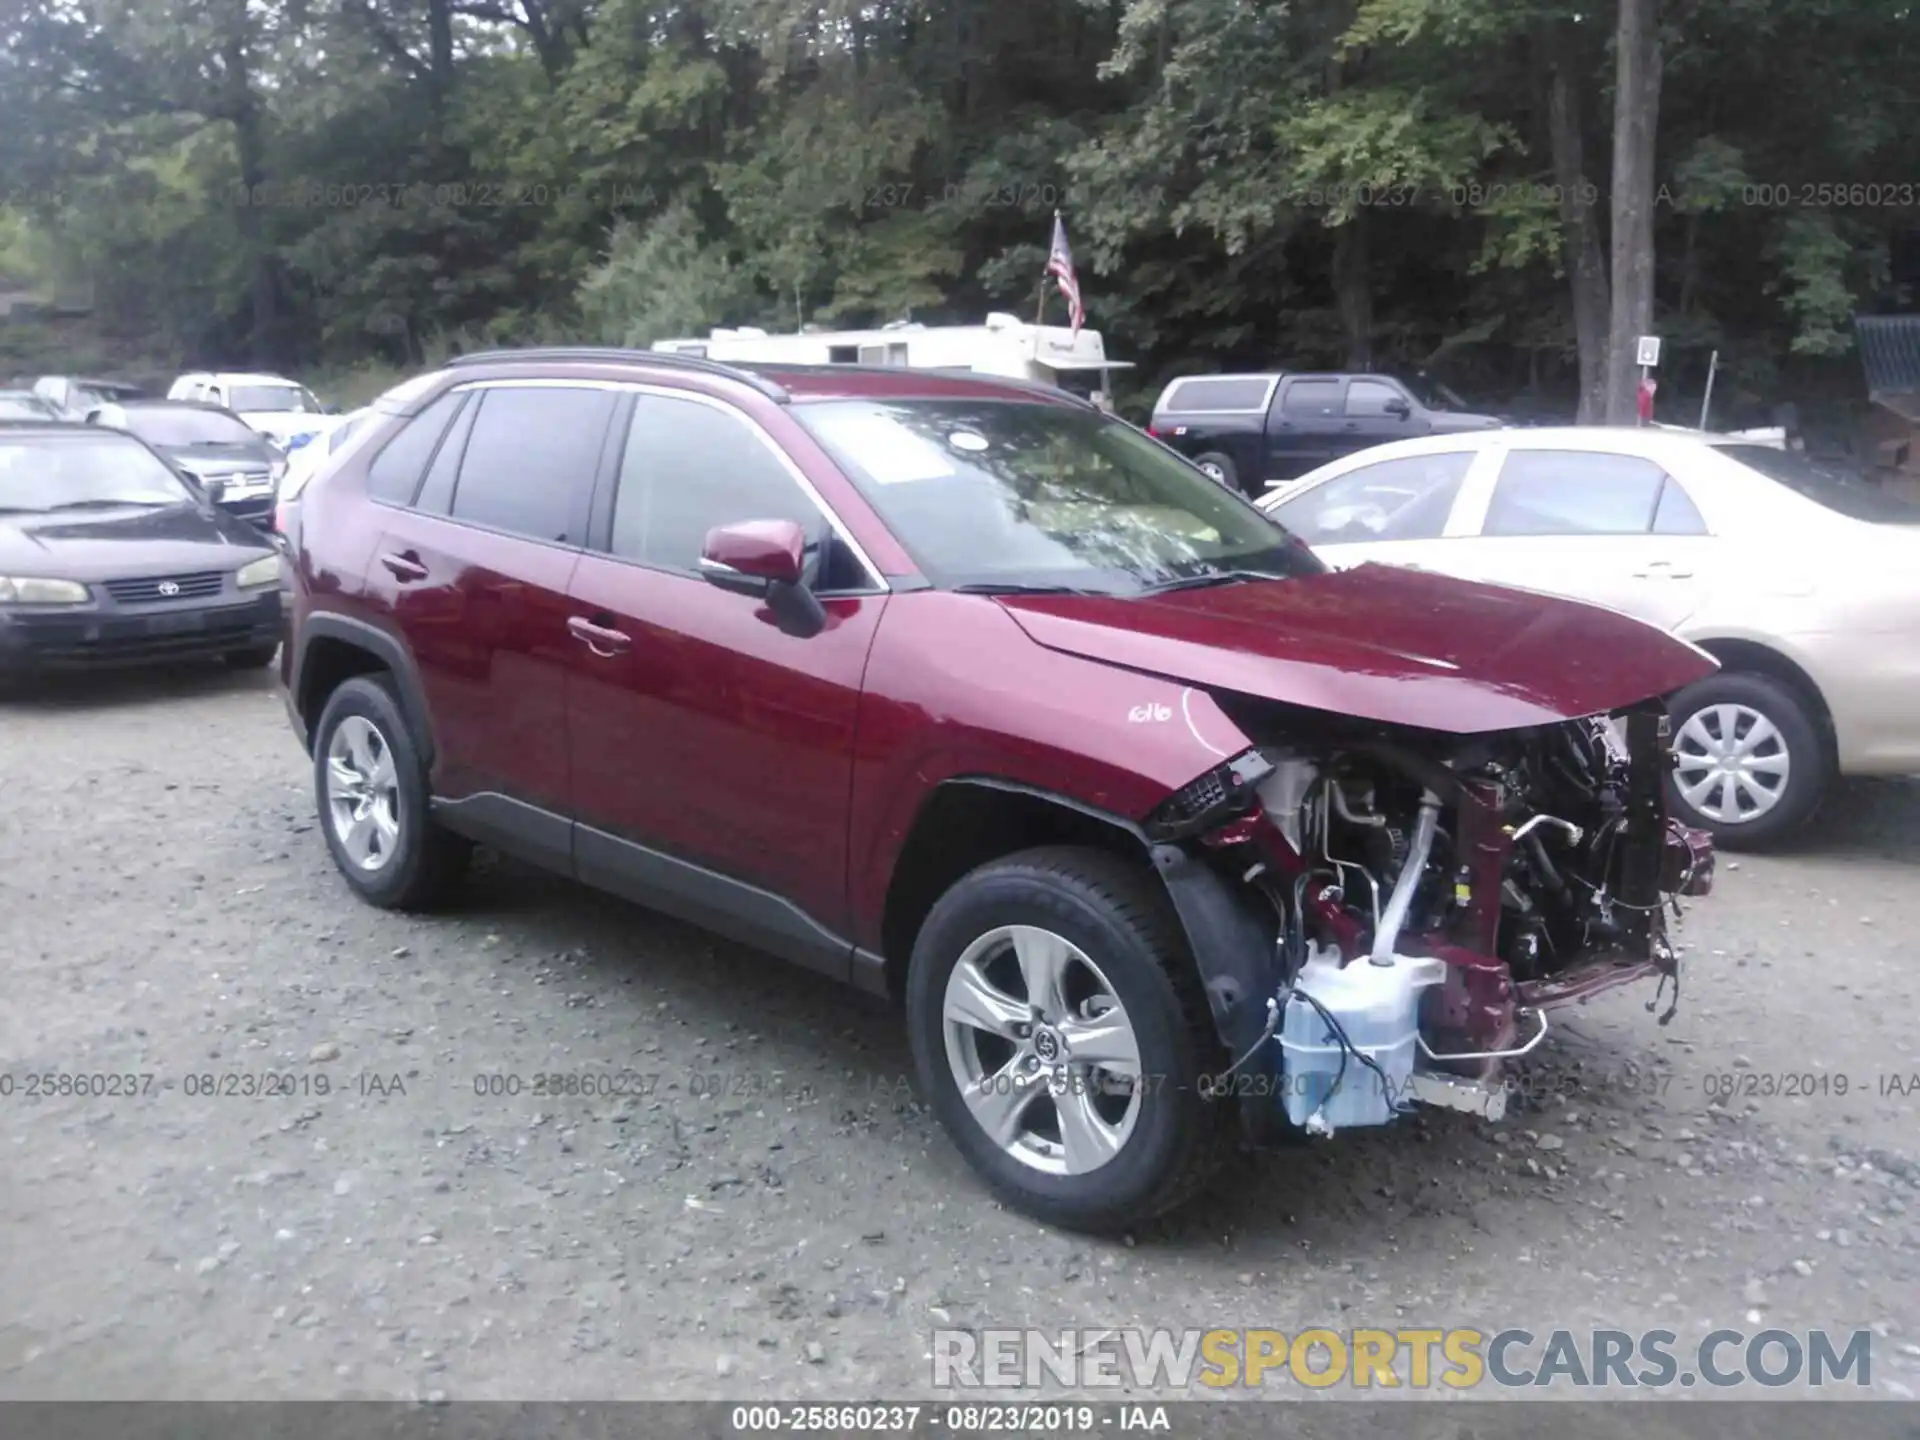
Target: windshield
{"x":1083,"y":383}
{"x":168,"y":426}
{"x":1434,"y":395}
{"x":59,"y":474}
{"x":22,"y":406}
{"x":1005,"y":495}
{"x":272,"y":397}
{"x":89,"y":397}
{"x":1841,"y":491}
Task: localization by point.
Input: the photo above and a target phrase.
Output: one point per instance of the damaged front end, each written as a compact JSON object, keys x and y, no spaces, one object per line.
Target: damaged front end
{"x":1385,"y":917}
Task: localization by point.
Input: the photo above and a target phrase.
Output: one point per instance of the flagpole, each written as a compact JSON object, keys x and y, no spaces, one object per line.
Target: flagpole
{"x":1040,"y":311}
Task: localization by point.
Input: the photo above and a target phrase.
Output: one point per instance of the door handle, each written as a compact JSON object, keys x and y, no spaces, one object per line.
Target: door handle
{"x":405,"y":566}
{"x":600,"y":639}
{"x":1661,"y":570}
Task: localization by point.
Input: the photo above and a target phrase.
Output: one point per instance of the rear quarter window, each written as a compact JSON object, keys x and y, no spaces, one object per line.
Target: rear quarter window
{"x":394,"y":475}
{"x":1310,"y":398}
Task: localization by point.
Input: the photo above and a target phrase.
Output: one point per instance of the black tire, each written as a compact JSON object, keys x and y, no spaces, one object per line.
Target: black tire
{"x":1229,"y":475}
{"x":258,"y":658}
{"x":1118,"y":915}
{"x":426,"y":863}
{"x":1809,"y":762}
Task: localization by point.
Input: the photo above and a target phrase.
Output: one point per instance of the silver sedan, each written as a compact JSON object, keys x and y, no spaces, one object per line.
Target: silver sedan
{"x":1802,"y":581}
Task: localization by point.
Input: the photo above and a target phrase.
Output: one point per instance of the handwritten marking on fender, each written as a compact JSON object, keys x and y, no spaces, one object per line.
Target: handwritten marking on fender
{"x":1149,"y":714}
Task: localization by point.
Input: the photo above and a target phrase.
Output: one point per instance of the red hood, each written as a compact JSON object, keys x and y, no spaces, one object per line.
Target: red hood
{"x":1380,"y":643}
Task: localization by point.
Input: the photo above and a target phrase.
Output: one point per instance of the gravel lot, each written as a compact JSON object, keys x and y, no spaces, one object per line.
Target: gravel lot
{"x":775,"y":1216}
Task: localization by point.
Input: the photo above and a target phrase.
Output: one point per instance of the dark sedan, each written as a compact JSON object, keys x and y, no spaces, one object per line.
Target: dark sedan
{"x":109,"y":557}
{"x":239,"y":468}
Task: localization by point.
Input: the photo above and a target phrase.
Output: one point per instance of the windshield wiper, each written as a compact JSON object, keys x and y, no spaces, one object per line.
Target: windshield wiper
{"x":1210,"y":579}
{"x":995,"y":587}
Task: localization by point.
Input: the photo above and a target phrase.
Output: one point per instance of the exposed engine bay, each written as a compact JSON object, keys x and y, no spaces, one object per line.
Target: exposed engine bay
{"x":1438,"y":893}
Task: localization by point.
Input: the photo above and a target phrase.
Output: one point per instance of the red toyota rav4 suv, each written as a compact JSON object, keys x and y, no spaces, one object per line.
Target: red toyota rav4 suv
{"x":964,"y":693}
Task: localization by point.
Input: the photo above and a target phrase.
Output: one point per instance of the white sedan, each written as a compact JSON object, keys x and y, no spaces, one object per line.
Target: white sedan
{"x":1803,"y":583}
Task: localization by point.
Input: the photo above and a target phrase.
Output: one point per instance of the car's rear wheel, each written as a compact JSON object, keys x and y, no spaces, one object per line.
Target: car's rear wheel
{"x":372,"y":792}
{"x":1220,"y":468}
{"x":1751,"y":763}
{"x":1061,"y":1036}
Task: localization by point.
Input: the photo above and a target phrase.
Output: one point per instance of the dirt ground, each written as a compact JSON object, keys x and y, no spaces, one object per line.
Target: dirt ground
{"x":771,"y":1214}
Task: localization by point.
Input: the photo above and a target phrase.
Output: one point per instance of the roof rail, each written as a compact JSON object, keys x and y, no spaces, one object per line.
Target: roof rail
{"x":612,"y":354}
{"x":1038,"y":388}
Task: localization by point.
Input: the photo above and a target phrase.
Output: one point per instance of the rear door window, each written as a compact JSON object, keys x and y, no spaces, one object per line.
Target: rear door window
{"x":1574,"y":492}
{"x":1406,"y":499}
{"x":530,"y":460}
{"x":1310,"y":399}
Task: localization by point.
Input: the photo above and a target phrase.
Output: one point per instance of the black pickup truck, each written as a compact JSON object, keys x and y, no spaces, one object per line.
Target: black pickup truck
{"x":1253,"y":431}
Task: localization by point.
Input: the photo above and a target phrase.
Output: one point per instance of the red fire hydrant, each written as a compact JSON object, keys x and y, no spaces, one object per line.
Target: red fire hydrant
{"x":1645,"y":398}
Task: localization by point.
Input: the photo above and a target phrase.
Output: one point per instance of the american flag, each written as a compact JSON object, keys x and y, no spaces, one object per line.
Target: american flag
{"x":1060,"y":266}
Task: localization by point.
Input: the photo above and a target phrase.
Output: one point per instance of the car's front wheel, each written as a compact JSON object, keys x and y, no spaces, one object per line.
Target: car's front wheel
{"x":1751,"y":764}
{"x":1061,"y":1036}
{"x":372,"y":791}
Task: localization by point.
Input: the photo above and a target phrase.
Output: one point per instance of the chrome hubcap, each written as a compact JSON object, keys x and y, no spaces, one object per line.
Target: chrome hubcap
{"x":1212,"y":468}
{"x":1733,"y":763}
{"x":363,"y":795}
{"x":1042,"y":1050}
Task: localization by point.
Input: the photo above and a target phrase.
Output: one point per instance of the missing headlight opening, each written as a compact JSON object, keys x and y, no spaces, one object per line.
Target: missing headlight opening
{"x":1429,"y":900}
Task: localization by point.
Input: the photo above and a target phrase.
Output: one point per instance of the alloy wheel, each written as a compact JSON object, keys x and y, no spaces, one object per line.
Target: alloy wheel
{"x":363,"y":794}
{"x":1044,"y":1055}
{"x":1733,"y":764}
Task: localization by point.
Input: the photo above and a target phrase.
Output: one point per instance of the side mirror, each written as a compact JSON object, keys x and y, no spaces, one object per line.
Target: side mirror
{"x":766,"y":559}
{"x":214,"y":490}
{"x":1399,"y":408}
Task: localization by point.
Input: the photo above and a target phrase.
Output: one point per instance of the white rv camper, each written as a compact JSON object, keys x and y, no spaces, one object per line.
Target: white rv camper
{"x":1004,"y":345}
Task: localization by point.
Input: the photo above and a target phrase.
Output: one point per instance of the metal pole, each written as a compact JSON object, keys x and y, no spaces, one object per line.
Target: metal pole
{"x":1706,"y":400}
